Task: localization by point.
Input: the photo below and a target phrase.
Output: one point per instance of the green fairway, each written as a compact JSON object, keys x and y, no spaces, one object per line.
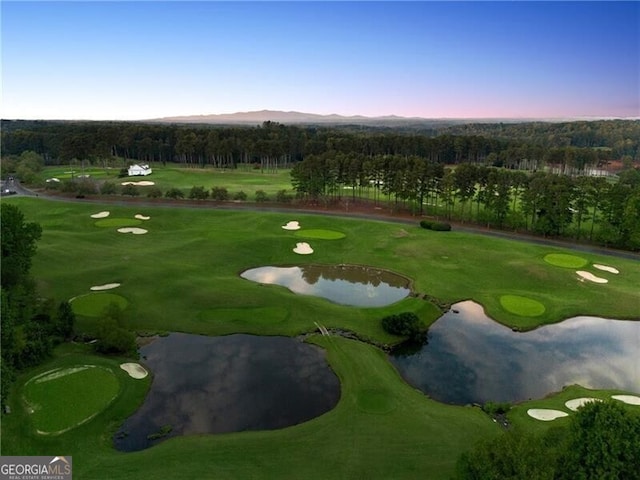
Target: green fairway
{"x":94,"y":304}
{"x":565,"y":260}
{"x":523,"y":306}
{"x":66,"y":172}
{"x":117,"y":222}
{"x":320,"y":234}
{"x":185,"y":278}
{"x":64,"y":398}
{"x":233,"y":180}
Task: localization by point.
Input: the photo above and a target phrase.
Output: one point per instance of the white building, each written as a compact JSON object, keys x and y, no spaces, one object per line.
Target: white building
{"x":137,"y":170}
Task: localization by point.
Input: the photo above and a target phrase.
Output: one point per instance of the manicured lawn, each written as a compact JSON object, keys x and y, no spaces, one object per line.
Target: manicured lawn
{"x":184,"y":276}
{"x":565,"y":260}
{"x":117,"y":222}
{"x":523,"y":306}
{"x":233,"y":180}
{"x":320,"y":234}
{"x":94,"y":304}
{"x":66,"y":397}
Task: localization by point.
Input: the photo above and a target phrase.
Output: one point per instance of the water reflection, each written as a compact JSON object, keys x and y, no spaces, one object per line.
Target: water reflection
{"x":228,"y":384}
{"x":344,"y":284}
{"x":470,"y":358}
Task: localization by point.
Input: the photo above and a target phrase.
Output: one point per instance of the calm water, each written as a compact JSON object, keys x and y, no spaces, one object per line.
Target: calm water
{"x":470,"y":358}
{"x":344,"y":284}
{"x":229,"y":384}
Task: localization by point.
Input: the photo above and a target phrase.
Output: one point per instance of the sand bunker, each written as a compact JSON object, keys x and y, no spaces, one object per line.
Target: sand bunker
{"x":630,"y":399}
{"x":546,"y":415}
{"x":141,"y":217}
{"x":143,"y":183}
{"x":134,"y":230}
{"x":591,"y":277}
{"x":53,"y":179}
{"x":579,"y":402}
{"x":303,"y":248}
{"x":135,"y":370}
{"x":293,"y":225}
{"x":606,"y":268}
{"x":100,"y":215}
{"x":106,"y":286}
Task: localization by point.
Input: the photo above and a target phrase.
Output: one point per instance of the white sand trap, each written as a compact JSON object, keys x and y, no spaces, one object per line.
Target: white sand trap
{"x":303,"y":248}
{"x":135,"y":370}
{"x":545,"y":414}
{"x":52,"y":179}
{"x":106,"y":286}
{"x":100,"y":215}
{"x":591,"y":277}
{"x":630,"y":399}
{"x":134,"y":230}
{"x":139,"y":216}
{"x":579,"y":402}
{"x":143,"y":183}
{"x":292,"y":225}
{"x":606,"y":268}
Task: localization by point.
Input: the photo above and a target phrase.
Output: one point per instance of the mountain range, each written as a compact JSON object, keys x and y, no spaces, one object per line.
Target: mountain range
{"x":291,"y":117}
{"x":281,"y":117}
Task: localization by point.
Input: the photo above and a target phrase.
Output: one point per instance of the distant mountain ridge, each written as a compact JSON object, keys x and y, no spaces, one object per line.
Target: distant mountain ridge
{"x":293,"y":117}
{"x":280,"y":117}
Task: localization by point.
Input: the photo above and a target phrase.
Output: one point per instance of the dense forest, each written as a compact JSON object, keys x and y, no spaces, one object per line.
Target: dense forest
{"x":571,"y":146}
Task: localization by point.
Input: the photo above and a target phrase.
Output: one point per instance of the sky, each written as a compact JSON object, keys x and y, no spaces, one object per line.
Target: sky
{"x":149,"y":59}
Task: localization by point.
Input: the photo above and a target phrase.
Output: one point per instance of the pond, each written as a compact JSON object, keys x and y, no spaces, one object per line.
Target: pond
{"x":228,"y":384}
{"x":352,"y":285}
{"x":469,"y":358}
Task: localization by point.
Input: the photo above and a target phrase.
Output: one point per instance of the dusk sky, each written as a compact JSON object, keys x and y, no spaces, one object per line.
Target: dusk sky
{"x":141,"y":60}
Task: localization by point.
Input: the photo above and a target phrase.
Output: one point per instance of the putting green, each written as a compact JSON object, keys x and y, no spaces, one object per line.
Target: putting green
{"x":565,"y":260}
{"x":93,"y":304}
{"x":523,"y":306}
{"x":63,"y":398}
{"x":118,"y":222}
{"x":320,"y":234}
{"x":375,"y":401}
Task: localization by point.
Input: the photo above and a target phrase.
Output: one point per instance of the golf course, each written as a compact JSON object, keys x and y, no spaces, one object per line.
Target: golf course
{"x":177,"y":268}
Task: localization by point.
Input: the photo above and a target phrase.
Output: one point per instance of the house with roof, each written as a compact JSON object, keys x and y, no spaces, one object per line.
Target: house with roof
{"x":138,"y":170}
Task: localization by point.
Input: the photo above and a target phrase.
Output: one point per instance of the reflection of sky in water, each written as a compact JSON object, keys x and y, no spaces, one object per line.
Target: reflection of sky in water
{"x":471,"y":358}
{"x":345,"y":285}
{"x":227,"y":384}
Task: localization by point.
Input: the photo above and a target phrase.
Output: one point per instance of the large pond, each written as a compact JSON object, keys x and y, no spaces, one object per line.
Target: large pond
{"x":352,"y":285}
{"x":228,"y":384}
{"x":469,"y":358}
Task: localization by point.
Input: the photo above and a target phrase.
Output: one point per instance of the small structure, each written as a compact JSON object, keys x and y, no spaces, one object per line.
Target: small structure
{"x":138,"y":170}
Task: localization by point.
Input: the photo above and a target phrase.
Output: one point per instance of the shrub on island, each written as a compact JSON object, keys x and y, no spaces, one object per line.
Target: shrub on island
{"x":406,"y":324}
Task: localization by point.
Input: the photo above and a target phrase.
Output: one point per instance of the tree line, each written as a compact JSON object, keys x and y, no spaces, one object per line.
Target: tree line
{"x":571,"y":146}
{"x":31,"y":325}
{"x":587,"y":208}
{"x":602,"y":441}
